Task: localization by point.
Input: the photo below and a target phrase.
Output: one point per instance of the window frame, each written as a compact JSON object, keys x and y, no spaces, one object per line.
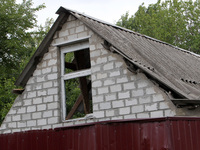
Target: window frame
{"x":71,"y":46}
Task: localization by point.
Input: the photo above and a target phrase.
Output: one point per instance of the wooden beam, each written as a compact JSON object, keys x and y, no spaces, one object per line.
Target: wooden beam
{"x":81,"y":64}
{"x":75,"y":106}
{"x":18,"y":91}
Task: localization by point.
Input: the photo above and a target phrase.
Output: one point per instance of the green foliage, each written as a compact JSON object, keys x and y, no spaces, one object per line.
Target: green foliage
{"x":6,"y":96}
{"x":18,"y":42}
{"x":174,"y":21}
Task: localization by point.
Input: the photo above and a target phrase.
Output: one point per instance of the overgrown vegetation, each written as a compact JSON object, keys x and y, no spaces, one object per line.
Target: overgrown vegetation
{"x":19,"y":38}
{"x":174,"y":21}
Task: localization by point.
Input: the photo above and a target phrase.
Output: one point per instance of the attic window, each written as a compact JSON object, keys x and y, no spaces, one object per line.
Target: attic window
{"x":76,"y":80}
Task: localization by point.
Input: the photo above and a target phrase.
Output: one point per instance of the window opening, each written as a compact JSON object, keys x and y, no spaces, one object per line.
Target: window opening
{"x":76,"y":82}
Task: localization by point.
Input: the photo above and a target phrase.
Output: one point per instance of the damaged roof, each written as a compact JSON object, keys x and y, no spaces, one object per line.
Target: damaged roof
{"x":175,"y":68}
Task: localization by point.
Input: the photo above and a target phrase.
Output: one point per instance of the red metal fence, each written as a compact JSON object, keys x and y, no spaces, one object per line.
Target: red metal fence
{"x":144,"y":134}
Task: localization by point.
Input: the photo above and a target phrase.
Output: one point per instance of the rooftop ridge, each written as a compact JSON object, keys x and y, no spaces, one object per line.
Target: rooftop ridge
{"x":63,"y":9}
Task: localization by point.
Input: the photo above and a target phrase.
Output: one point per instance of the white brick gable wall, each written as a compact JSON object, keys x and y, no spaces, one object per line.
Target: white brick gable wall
{"x":117,"y":92}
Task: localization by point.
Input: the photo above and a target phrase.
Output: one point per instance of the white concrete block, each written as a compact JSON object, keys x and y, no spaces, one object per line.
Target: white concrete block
{"x":110,"y":113}
{"x":21,"y":124}
{"x":124,"y":111}
{"x":150,"y":90}
{"x":52,"y":91}
{"x":79,"y":29}
{"x":122,"y":79}
{"x":46,"y":70}
{"x":95,"y":53}
{"x":137,"y":109}
{"x":98,"y":98}
{"x":97,"y":83}
{"x":129,"y":86}
{"x":41,"y":122}
{"x":53,"y":120}
{"x":117,"y":118}
{"x":131,"y":116}
{"x":108,"y":66}
{"x":110,"y":97}
{"x":118,"y":64}
{"x":169,"y":113}
{"x":26,"y":116}
{"x":54,"y":105}
{"x":109,"y":82}
{"x":143,"y":115}
{"x":123,"y":95}
{"x":31,"y":123}
{"x":145,"y":99}
{"x":163,"y":105}
{"x":47,"y":56}
{"x":31,"y":108}
{"x":96,"y":69}
{"x":131,"y":102}
{"x":48,"y":99}
{"x":16,"y":117}
{"x":101,"y":60}
{"x":115,"y":73}
{"x":52,"y":62}
{"x":99,"y":114}
{"x":37,"y":86}
{"x":142,"y":83}
{"x":31,"y":94}
{"x":41,"y":93}
{"x":151,"y":107}
{"x":101,"y":75}
{"x":116,"y":88}
{"x":40,"y":78}
{"x":37,"y":72}
{"x":156,"y":114}
{"x":37,"y":115}
{"x":37,"y":100}
{"x":105,"y":105}
{"x":12,"y":125}
{"x":95,"y":107}
{"x":103,"y":90}
{"x":27,"y":102}
{"x":63,"y":33}
{"x":92,"y":47}
{"x":82,"y":34}
{"x":118,"y":103}
{"x":47,"y":114}
{"x":41,"y":107}
{"x":111,"y":58}
{"x":158,"y":97}
{"x":52,"y":76}
{"x":136,"y":93}
{"x":12,"y":111}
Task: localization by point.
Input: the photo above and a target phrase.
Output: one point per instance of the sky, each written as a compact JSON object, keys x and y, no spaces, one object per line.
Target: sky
{"x":106,"y":10}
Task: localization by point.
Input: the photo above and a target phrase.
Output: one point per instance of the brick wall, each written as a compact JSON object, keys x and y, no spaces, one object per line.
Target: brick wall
{"x":117,"y":93}
{"x":121,"y":94}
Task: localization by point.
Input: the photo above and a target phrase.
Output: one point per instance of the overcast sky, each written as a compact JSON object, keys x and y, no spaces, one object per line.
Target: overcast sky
{"x":106,"y":10}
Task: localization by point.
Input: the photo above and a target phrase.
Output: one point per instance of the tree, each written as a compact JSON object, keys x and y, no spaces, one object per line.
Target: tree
{"x":174,"y":21}
{"x":18,"y":41}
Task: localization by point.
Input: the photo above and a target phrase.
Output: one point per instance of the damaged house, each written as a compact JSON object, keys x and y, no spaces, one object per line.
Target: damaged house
{"x":93,"y":85}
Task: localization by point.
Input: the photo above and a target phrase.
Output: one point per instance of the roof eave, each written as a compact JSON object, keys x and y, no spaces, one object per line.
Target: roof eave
{"x":41,"y":50}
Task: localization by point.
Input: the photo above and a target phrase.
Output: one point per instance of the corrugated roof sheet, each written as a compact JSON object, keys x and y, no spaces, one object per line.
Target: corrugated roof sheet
{"x":177,"y":68}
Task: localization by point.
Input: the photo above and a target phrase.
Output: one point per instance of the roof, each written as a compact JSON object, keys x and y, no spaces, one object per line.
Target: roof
{"x":177,"y":69}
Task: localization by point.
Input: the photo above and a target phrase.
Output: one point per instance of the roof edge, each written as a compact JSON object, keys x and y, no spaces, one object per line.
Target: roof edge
{"x":41,"y":50}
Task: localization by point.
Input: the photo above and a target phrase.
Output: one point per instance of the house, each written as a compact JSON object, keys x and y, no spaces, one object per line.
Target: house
{"x":112,"y":74}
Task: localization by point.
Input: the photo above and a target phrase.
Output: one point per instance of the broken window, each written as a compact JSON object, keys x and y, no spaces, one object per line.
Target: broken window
{"x":76,"y":80}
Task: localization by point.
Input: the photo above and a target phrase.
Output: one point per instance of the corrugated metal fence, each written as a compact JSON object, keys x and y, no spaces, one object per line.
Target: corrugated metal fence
{"x":146,"y":134}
